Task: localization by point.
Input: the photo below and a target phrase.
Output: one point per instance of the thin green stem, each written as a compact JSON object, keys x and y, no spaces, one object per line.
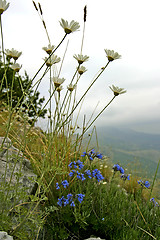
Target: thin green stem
{"x":102,"y":70}
{"x":83,"y":37}
{"x":2,"y":41}
{"x":100,"y":113}
{"x":48,"y":57}
{"x":155,"y":177}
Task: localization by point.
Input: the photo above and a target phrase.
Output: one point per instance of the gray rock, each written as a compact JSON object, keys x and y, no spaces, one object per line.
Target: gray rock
{"x":5,"y":236}
{"x":14,"y":166}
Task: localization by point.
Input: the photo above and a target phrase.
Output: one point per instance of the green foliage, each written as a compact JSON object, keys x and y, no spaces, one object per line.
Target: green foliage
{"x":16,"y":91}
{"x":15,"y":209}
{"x":106,"y":212}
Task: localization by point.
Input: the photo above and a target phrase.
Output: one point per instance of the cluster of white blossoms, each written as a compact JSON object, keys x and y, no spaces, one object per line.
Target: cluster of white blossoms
{"x":15,"y":55}
{"x":53,"y":59}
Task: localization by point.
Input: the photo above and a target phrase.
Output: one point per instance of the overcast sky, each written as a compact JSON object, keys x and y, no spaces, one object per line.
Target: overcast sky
{"x":129,"y":27}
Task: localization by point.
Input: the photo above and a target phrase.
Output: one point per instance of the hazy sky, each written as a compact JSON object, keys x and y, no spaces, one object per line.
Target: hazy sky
{"x":129,"y":27}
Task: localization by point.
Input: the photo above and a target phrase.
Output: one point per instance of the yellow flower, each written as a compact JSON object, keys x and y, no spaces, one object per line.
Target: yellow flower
{"x":49,"y":48}
{"x":81,"y":70}
{"x":3,"y":6}
{"x":81,"y":58}
{"x":13,"y":53}
{"x":117,"y":90}
{"x":111,"y":55}
{"x":16,"y":67}
{"x":52,"y":60}
{"x":68,"y":28}
{"x":57,"y":81}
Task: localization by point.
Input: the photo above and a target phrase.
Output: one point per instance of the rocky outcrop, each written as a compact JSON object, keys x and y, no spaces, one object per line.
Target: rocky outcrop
{"x":5,"y":236}
{"x":14,"y":166}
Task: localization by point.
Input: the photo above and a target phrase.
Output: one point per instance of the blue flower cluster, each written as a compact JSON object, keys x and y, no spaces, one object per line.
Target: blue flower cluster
{"x":65,"y":201}
{"x":94,"y":174}
{"x":64,"y":184}
{"x":91,"y":155}
{"x":69,"y":200}
{"x":77,"y":164}
{"x":79,"y":175}
{"x":97,"y":174}
{"x":124,"y":176}
{"x":116,"y":168}
{"x":80,"y":197}
{"x":144,"y":184}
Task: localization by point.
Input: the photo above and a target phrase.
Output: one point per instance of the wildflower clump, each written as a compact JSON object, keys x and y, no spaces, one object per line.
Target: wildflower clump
{"x":91,"y":155}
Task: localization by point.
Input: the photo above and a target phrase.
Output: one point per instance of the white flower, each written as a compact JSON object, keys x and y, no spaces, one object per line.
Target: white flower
{"x":58,"y":81}
{"x":68,"y":28}
{"x":117,"y":90}
{"x":80,"y":58}
{"x":58,"y":89}
{"x":111,"y":55}
{"x":13,"y":53}
{"x":16,"y":67}
{"x":3,"y":6}
{"x":71,"y":87}
{"x":49,"y":48}
{"x":81,"y":70}
{"x":52,"y":60}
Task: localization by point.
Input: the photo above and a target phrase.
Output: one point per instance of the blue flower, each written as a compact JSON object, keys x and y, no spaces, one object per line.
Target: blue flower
{"x":99,"y":155}
{"x":88,"y":173}
{"x":102,"y":219}
{"x":97,"y":174}
{"x":70,"y":165}
{"x":155,"y":203}
{"x":80,"y":164}
{"x":57,"y":186}
{"x":72,"y":204}
{"x":80,"y":176}
{"x":116,"y":167}
{"x":142,"y":183}
{"x":77,"y":164}
{"x":61,"y":201}
{"x":91,"y":155}
{"x":68,"y":199}
{"x":125,"y":177}
{"x":71,"y":173}
{"x":147,"y":184}
{"x":84,"y":154}
{"x":121,"y":170}
{"x":80,"y":197}
{"x":65,"y":201}
{"x":65,"y":183}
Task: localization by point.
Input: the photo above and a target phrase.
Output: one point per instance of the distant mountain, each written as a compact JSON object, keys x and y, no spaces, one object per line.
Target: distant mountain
{"x":139,"y":152}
